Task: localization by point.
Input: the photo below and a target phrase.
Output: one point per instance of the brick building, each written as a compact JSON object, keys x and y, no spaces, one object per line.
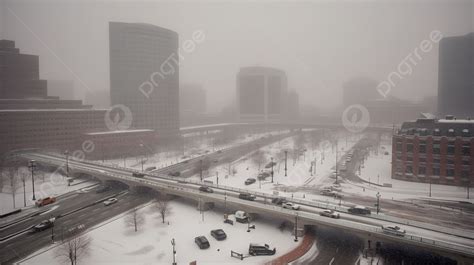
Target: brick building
{"x":436,"y":151}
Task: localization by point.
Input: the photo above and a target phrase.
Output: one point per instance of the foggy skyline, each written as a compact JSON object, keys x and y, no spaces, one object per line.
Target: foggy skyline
{"x":320,"y":44}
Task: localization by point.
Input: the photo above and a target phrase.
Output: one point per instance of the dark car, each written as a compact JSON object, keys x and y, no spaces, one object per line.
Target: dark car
{"x":261,"y":249}
{"x":138,"y":175}
{"x":218,"y":234}
{"x":42,"y":226}
{"x":247,"y":196}
{"x":278,"y":201}
{"x":175,"y":174}
{"x":269,"y":165}
{"x":250,"y":181}
{"x":202,"y":242}
{"x":205,"y":189}
{"x":103,"y":189}
{"x":359,"y":210}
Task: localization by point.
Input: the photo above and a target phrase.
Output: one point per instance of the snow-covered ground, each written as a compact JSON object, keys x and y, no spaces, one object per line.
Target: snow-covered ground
{"x":377,"y":169}
{"x":194,"y":147}
{"x":117,"y":243}
{"x":46,"y":184}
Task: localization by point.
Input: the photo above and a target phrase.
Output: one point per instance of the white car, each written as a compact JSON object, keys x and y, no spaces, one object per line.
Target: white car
{"x":330,"y":213}
{"x":110,"y":201}
{"x":290,"y":205}
{"x":393,"y":230}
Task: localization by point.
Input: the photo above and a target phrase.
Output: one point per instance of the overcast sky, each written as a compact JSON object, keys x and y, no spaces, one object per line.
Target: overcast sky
{"x":320,"y":44}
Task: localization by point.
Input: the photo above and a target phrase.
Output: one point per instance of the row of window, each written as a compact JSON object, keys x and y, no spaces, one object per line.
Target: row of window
{"x":436,"y":171}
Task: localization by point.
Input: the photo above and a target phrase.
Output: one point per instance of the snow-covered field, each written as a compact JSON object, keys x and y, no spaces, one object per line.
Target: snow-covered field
{"x":46,"y":184}
{"x":118,"y":243}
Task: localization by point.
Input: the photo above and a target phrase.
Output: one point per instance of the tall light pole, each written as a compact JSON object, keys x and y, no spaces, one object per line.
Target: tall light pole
{"x":337,"y":148}
{"x":173,"y":243}
{"x":296,"y":227}
{"x":67,"y":166}
{"x":143,"y":156}
{"x":378,"y":202}
{"x":272,"y":167}
{"x":32,"y":166}
{"x":200,"y":169}
{"x":286,"y":158}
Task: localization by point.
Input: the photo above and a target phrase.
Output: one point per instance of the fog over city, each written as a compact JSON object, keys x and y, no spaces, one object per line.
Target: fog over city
{"x":320,"y":44}
{"x":314,"y":132}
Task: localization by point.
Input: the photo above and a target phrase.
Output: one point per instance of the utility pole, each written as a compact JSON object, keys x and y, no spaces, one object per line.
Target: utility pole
{"x":217,"y":178}
{"x":468,"y":188}
{"x":286,"y":158}
{"x":378,"y":202}
{"x":296,"y":227}
{"x":200,"y":169}
{"x":173,"y":243}
{"x":32,"y":166}
{"x":430,"y":185}
{"x":337,"y":161}
{"x":272,"y":167}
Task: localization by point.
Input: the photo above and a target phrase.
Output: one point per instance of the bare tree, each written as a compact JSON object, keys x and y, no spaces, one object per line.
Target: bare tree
{"x":135,"y":219}
{"x":23,"y":175}
{"x":202,"y":166}
{"x":13,"y":181}
{"x":258,"y":158}
{"x":162,"y":206}
{"x":73,"y":250}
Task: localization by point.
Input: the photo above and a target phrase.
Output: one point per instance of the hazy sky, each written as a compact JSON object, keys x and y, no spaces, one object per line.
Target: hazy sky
{"x":320,"y":44}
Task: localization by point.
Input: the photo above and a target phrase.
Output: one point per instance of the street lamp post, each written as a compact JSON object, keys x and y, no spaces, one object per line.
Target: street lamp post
{"x":173,"y":243}
{"x":272,"y":167}
{"x":378,"y":202}
{"x":200,"y":169}
{"x":296,"y":227}
{"x":286,"y":158}
{"x":67,"y":167}
{"x":32,"y":166}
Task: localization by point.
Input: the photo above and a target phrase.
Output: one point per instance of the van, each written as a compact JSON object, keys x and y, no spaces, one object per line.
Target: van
{"x":247,"y":196}
{"x":241,"y":217}
{"x":261,"y":249}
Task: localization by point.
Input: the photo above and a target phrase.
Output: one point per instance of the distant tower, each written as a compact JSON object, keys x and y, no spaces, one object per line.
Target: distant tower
{"x":456,"y":76}
{"x":144,"y":75}
{"x":260,"y":92}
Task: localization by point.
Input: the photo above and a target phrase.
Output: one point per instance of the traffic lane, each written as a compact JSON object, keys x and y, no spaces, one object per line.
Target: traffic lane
{"x":336,"y":248}
{"x":84,"y":219}
{"x":61,"y":206}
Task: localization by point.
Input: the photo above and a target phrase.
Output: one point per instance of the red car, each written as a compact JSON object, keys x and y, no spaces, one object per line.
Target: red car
{"x":45,"y":201}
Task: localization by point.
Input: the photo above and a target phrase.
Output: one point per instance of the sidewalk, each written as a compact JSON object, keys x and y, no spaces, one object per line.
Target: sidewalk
{"x":296,"y":253}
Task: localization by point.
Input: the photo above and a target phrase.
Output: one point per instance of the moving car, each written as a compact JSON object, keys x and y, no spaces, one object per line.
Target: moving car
{"x":250,"y":181}
{"x":42,"y":226}
{"x":218,"y":234}
{"x":359,"y":209}
{"x":138,"y":175}
{"x":290,"y":205}
{"x":110,"y":201}
{"x":175,"y":174}
{"x":278,"y":201}
{"x":150,"y":168}
{"x":393,"y":230}
{"x":261,"y":249}
{"x":202,"y":242}
{"x":330,"y":213}
{"x":45,"y":201}
{"x":247,"y":196}
{"x":206,"y":189}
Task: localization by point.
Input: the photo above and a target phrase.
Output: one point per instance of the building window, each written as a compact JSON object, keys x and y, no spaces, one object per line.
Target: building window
{"x":436,"y":160}
{"x":436,"y":132}
{"x":465,"y":133}
{"x":410,"y":158}
{"x":409,"y":169}
{"x":466,"y":162}
{"x":399,"y":146}
{"x":422,"y":159}
{"x":451,"y":148}
{"x":450,"y":172}
{"x":451,"y":132}
{"x":422,"y":148}
{"x":466,"y":149}
{"x":450,"y":162}
{"x":410,"y":148}
{"x":436,"y":171}
{"x":465,"y":174}
{"x":436,"y":148}
{"x":421,"y":171}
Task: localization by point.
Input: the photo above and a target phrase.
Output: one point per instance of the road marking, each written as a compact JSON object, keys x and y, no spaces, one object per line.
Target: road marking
{"x":332,"y":260}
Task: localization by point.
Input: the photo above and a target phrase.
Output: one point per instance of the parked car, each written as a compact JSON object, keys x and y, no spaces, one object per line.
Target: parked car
{"x":247,"y":196}
{"x":269,"y":165}
{"x":330,"y":213}
{"x":393,"y":230}
{"x":206,"y":189}
{"x":250,"y":181}
{"x":150,"y":168}
{"x":261,"y":249}
{"x":218,"y":234}
{"x":263,"y":175}
{"x":45,"y":201}
{"x":42,"y":226}
{"x":110,"y":201}
{"x":358,"y":209}
{"x":202,"y":242}
{"x":290,"y":205}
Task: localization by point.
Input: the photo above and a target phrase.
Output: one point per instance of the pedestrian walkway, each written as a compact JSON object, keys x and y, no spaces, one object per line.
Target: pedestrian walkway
{"x":299,"y":251}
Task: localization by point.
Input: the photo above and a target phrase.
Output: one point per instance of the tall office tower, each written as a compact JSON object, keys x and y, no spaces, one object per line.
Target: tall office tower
{"x":144,"y":75}
{"x":19,"y":75}
{"x":456,"y":76}
{"x":260,"y":93}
